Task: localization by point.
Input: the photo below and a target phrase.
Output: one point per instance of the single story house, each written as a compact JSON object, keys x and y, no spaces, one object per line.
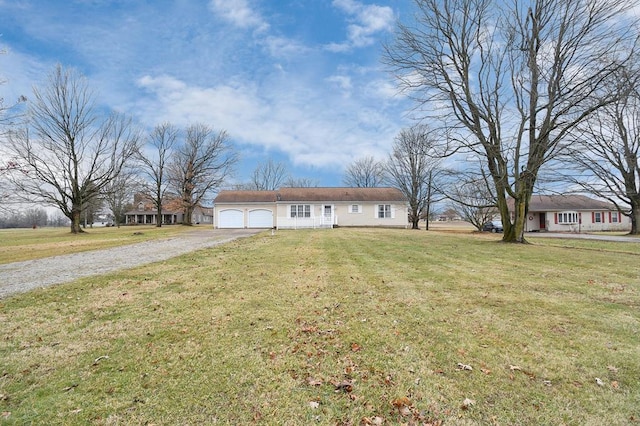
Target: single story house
{"x":293,"y":208}
{"x":573,"y":213}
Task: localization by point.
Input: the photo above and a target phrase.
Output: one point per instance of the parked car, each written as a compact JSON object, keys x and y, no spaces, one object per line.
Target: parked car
{"x":493,"y":226}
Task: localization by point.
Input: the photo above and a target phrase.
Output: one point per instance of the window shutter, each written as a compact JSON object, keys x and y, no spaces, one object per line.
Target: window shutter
{"x":609,"y":217}
{"x":393,"y":212}
{"x":375,"y":210}
{"x":580,"y":218}
{"x":556,"y":217}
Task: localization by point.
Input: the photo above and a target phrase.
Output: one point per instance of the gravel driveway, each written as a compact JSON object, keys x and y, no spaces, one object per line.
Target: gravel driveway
{"x":19,"y":277}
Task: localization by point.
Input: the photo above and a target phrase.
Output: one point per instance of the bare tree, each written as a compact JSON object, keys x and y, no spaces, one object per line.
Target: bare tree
{"x":292,"y":182}
{"x":268,"y":176}
{"x":365,"y":172}
{"x":118,"y":194}
{"x":161,"y":143}
{"x":605,"y":154}
{"x":509,"y":80}
{"x":200,"y":166}
{"x":471,"y":197}
{"x":67,"y":153}
{"x":412,"y":168}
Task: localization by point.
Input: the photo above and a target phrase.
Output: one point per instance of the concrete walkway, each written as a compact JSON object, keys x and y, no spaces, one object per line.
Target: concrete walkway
{"x":600,"y":237}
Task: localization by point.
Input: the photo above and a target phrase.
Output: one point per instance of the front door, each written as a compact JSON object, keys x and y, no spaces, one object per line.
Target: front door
{"x":543,"y":220}
{"x":328,"y":215}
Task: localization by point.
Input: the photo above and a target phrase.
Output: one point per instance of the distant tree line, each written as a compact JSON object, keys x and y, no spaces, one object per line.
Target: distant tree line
{"x":31,"y":218}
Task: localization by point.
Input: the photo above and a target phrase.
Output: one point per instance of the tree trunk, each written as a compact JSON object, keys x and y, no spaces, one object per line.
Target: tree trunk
{"x":188,"y":214}
{"x":159,"y":219}
{"x":635,"y":219}
{"x":76,"y":227}
{"x":414,"y":221}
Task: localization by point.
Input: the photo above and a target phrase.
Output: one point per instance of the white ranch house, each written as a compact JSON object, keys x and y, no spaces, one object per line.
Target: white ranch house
{"x":295,"y":208}
{"x":573,"y":213}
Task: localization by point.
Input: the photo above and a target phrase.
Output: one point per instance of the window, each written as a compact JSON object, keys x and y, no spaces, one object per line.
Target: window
{"x":597,"y":217}
{"x":355,"y":208}
{"x":384,"y":211}
{"x":615,"y":218}
{"x":301,"y":210}
{"x":567,"y":218}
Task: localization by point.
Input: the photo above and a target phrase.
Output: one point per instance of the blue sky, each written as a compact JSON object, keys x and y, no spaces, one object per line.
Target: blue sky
{"x":299,"y":81}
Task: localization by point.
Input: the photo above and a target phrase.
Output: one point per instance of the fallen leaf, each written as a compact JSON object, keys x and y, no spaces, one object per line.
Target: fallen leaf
{"x":377,"y":421}
{"x":355,"y":347}
{"x":599,"y":382}
{"x":462,"y":366}
{"x":68,"y":388}
{"x":612,"y":368}
{"x":401,"y":402}
{"x":467,"y":403}
{"x":404,"y":411}
{"x":515,"y":368}
{"x":314,"y":404}
{"x":614,"y":384}
{"x":344,"y":386}
{"x":314,"y":382}
{"x":100,"y":358}
{"x":6,"y":414}
{"x":485,"y":371}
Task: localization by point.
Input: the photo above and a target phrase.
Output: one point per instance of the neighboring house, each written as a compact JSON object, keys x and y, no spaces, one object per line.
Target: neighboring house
{"x":146,"y":214}
{"x":293,"y":208}
{"x":573,"y":213}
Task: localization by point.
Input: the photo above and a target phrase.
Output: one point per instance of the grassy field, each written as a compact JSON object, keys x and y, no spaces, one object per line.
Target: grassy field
{"x":26,"y":244}
{"x":331,"y":327}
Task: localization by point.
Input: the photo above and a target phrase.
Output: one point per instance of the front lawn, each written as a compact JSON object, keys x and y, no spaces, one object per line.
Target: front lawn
{"x":26,"y":244}
{"x":344,"y":326}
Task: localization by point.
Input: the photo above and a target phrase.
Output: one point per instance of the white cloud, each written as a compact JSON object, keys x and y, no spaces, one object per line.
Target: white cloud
{"x":366,"y":21}
{"x":282,"y":47}
{"x":314,"y":128}
{"x":239,"y":13}
{"x":342,"y":81}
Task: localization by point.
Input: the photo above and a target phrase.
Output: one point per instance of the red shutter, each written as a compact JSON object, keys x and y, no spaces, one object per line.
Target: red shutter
{"x":609,"y":217}
{"x":556,"y":217}
{"x":593,"y":217}
{"x":580,"y":218}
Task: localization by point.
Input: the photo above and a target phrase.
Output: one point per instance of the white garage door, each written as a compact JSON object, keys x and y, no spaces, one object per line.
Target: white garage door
{"x":230,"y":219}
{"x":260,"y":218}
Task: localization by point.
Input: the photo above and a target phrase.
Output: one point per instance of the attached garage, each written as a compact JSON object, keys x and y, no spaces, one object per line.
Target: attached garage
{"x":230,"y":218}
{"x":260,"y":218}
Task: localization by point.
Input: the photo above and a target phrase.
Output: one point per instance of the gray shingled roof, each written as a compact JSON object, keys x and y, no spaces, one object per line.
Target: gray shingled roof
{"x":567,"y":202}
{"x":312,"y":194}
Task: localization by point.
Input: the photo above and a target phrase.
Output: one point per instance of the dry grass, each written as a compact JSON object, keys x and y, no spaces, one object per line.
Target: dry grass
{"x":334,"y":327}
